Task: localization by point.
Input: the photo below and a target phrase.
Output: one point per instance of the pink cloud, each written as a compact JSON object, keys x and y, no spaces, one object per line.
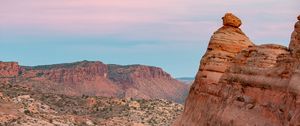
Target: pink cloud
{"x":168,"y":20}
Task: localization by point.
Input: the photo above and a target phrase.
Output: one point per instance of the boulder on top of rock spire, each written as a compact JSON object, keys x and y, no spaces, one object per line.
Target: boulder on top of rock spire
{"x":231,"y":20}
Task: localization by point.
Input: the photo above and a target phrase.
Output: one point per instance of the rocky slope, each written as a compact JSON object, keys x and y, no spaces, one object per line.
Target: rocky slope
{"x":94,"y":78}
{"x":25,"y":107}
{"x":239,"y":83}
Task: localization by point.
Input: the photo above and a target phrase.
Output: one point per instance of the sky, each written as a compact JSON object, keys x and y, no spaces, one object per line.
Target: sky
{"x":171,"y":34}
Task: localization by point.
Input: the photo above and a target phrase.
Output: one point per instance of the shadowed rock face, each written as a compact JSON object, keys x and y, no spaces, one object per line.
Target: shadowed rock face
{"x":96,"y":79}
{"x":245,"y":84}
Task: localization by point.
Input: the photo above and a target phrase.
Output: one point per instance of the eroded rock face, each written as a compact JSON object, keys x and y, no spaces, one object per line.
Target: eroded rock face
{"x":254,"y":85}
{"x":78,"y":78}
{"x":70,"y":73}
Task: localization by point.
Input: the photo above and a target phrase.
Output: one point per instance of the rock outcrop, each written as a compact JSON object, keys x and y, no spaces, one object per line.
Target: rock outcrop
{"x":245,"y":84}
{"x":95,"y":78}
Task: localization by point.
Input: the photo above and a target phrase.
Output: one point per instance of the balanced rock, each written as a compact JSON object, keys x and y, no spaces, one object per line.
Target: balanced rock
{"x":239,"y":83}
{"x":231,"y":20}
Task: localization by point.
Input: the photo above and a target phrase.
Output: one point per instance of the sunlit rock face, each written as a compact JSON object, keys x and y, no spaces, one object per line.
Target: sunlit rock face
{"x":239,"y":83}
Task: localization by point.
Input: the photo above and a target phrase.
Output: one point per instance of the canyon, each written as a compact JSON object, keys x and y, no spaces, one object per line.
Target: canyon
{"x":242,"y":84}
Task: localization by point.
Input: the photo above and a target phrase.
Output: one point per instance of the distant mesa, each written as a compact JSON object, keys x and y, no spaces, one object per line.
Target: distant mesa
{"x":95,"y":78}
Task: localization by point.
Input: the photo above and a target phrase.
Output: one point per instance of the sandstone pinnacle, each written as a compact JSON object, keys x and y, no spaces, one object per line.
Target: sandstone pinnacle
{"x":231,"y":20}
{"x":239,"y":83}
{"x":295,"y":39}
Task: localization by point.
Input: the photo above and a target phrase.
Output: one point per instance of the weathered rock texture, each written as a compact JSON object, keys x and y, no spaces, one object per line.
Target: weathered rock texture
{"x":231,"y":20}
{"x":96,"y":79}
{"x":240,"y":84}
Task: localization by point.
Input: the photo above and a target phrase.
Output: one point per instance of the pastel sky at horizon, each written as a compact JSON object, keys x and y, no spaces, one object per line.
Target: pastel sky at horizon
{"x":171,"y":34}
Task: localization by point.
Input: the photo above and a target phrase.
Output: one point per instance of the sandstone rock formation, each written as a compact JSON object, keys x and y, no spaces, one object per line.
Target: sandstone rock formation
{"x":94,"y":78}
{"x":295,"y":40}
{"x":240,"y":83}
{"x":231,"y":20}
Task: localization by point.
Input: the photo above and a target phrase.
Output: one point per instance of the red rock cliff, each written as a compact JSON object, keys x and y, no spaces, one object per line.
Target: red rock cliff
{"x":244,"y":84}
{"x":96,"y":78}
{"x":147,"y":82}
{"x":70,"y":73}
